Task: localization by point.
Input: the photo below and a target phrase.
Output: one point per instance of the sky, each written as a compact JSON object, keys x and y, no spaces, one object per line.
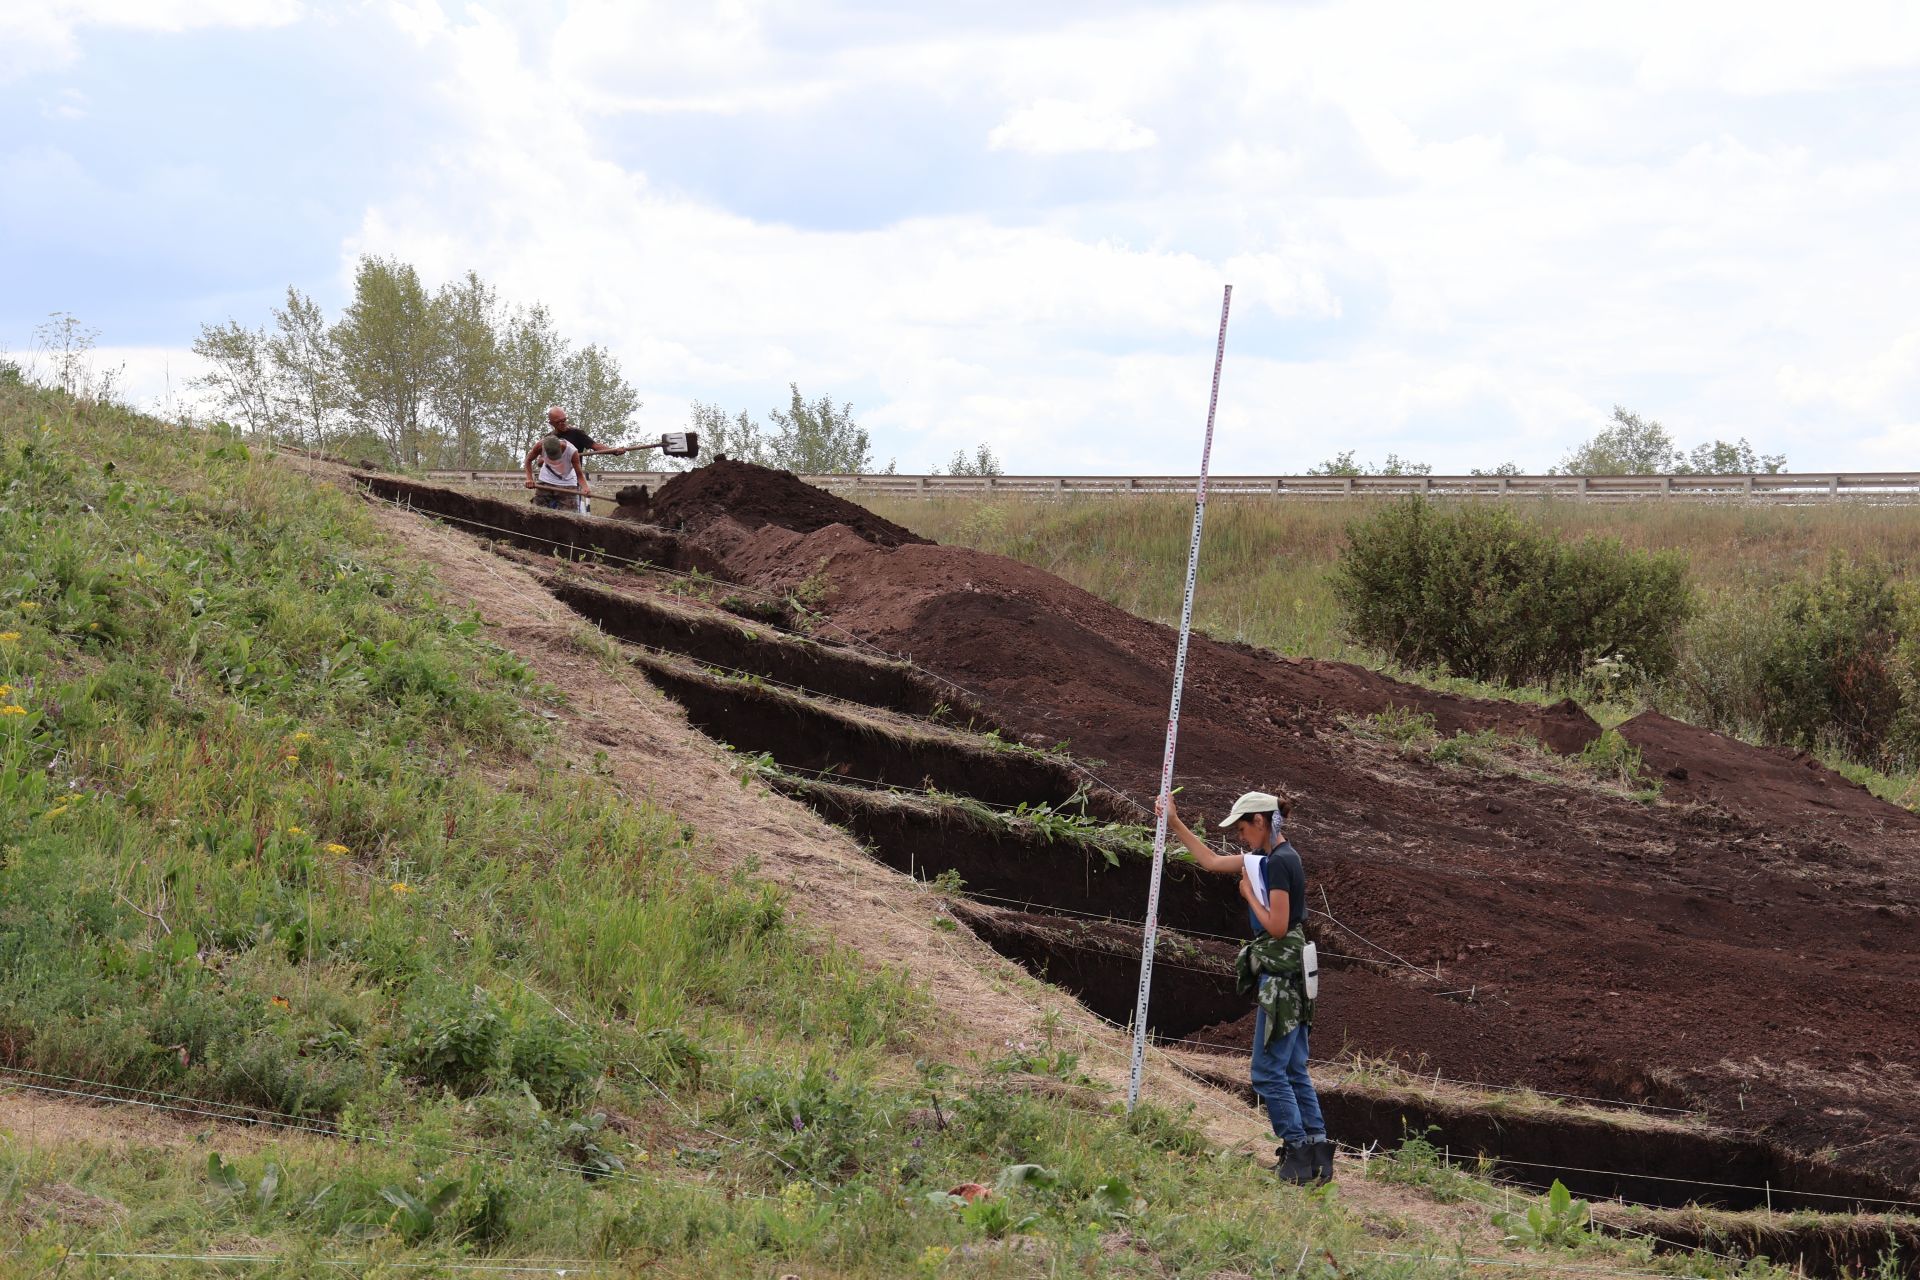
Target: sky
{"x":1459,"y":233}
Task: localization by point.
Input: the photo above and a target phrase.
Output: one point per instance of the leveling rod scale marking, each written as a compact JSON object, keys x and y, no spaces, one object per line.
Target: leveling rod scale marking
{"x":1152,"y":929}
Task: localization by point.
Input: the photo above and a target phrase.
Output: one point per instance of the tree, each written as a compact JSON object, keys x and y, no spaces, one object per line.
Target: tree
{"x":819,"y":438}
{"x":239,"y":376}
{"x":389,"y":340}
{"x":305,"y":371}
{"x":466,"y":369}
{"x":597,"y":398}
{"x":533,"y":359}
{"x":739,"y":437}
{"x":1632,"y":446}
{"x":1736,"y":459}
{"x":1504,"y":469}
{"x":1343,"y":464}
{"x":982,"y":463}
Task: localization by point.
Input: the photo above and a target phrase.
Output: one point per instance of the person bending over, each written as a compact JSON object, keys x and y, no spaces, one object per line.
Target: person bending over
{"x":1271,"y":967}
{"x":559,"y":469}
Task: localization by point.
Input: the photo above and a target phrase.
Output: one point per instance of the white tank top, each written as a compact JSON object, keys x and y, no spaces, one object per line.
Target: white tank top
{"x":565,"y":479}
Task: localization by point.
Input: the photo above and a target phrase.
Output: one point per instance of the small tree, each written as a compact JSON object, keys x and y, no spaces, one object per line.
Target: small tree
{"x":739,"y":437}
{"x":533,"y":359}
{"x":1632,"y":446}
{"x":308,"y":395}
{"x":390,"y":340}
{"x":820,"y":438}
{"x":465,"y":389}
{"x":239,"y":377}
{"x":982,"y":463}
{"x":1504,"y":469}
{"x":1343,"y":464}
{"x":1730,"y":459}
{"x":598,"y":399}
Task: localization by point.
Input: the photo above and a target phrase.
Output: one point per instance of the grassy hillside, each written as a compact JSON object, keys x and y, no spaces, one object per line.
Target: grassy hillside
{"x":1264,"y":570}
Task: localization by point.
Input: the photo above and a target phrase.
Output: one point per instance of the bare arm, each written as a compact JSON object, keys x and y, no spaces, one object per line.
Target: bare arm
{"x":531,"y":455}
{"x":1273,"y":916}
{"x":1219,"y":864}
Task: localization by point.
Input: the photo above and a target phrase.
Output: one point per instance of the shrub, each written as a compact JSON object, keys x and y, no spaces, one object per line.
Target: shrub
{"x":1837,"y":670}
{"x":1486,"y":595}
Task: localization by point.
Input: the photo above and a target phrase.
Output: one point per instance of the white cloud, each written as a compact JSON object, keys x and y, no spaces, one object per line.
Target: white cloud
{"x":43,"y":35}
{"x":1051,"y":127}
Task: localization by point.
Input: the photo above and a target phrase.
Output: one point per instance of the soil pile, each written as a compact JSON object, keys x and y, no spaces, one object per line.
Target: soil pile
{"x":755,"y":497}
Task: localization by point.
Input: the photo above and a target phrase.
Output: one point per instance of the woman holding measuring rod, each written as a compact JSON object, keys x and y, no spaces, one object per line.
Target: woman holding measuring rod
{"x":1279,"y":968}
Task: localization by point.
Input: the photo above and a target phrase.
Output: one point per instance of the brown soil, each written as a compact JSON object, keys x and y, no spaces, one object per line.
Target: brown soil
{"x":1746,"y":946}
{"x":757,"y":496}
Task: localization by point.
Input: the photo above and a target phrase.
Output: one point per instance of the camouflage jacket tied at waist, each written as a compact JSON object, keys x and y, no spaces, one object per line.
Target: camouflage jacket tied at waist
{"x":1270,"y":970}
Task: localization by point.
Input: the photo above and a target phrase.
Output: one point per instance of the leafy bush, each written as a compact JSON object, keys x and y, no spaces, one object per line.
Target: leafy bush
{"x":1836,"y":671}
{"x":1483,"y":594}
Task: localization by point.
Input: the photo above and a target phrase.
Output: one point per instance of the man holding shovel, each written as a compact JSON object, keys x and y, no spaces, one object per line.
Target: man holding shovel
{"x":558,"y":424}
{"x":561,"y":484}
{"x":1278,"y":968}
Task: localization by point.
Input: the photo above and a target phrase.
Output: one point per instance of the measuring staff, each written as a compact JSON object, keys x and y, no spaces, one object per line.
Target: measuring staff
{"x":1279,"y":968}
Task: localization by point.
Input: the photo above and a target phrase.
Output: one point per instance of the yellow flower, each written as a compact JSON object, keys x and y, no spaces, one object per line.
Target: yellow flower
{"x":28,"y":606}
{"x":400,"y":889}
{"x":56,"y":811}
{"x":5,"y":689}
{"x":93,"y":626}
{"x":302,"y":736}
{"x":337,"y":850}
{"x":296,"y":831}
{"x":292,"y":757}
{"x":8,"y":637}
{"x":11,"y":710}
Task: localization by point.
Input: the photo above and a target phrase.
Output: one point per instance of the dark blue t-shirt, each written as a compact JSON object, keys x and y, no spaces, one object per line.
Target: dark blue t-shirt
{"x":1283,"y":873}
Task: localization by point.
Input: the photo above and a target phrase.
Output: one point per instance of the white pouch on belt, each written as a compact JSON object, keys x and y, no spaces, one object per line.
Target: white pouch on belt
{"x":1310,"y":970}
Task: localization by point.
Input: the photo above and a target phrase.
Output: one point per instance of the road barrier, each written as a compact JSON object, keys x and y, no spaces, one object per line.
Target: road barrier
{"x":1896,"y":487}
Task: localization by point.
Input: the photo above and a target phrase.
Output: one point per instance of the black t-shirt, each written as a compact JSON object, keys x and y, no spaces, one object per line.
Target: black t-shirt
{"x":579,"y":440}
{"x":1284,"y":873}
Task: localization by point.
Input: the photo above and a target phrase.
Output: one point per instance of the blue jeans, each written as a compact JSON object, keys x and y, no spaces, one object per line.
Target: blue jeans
{"x":1280,"y":1078}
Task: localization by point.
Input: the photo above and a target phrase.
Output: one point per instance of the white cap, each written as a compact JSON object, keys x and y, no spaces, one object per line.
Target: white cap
{"x":1253,"y":802}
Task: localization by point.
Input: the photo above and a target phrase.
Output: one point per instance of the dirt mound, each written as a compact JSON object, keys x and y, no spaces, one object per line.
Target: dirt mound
{"x":1748,"y":945}
{"x":756,"y":496}
{"x":1777,"y":787}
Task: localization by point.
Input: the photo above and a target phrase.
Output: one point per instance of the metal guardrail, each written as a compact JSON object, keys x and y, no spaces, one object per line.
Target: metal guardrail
{"x":1848,"y":486}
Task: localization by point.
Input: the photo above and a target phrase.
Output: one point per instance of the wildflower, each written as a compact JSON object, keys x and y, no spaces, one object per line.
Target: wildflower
{"x":296,"y":831}
{"x":93,"y":626}
{"x":302,"y":736}
{"x":8,"y":637}
{"x":28,"y":606}
{"x":280,"y":1002}
{"x":56,"y":811}
{"x":337,"y":850}
{"x":12,"y":710}
{"x":292,"y":757}
{"x":5,"y":689}
{"x":400,"y":889}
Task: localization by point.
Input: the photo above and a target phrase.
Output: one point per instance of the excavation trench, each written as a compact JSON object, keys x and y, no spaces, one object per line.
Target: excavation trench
{"x":1829,"y":1246}
{"x":815,"y":736}
{"x":725,"y":641}
{"x":543,"y":531}
{"x":1011,"y":863}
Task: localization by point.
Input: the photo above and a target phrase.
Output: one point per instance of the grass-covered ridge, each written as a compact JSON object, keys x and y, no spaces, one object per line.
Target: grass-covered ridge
{"x":279,"y":830}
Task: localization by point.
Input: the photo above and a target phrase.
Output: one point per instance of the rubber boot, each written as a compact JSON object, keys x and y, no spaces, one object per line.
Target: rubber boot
{"x":1296,"y":1164}
{"x":1323,"y":1160}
